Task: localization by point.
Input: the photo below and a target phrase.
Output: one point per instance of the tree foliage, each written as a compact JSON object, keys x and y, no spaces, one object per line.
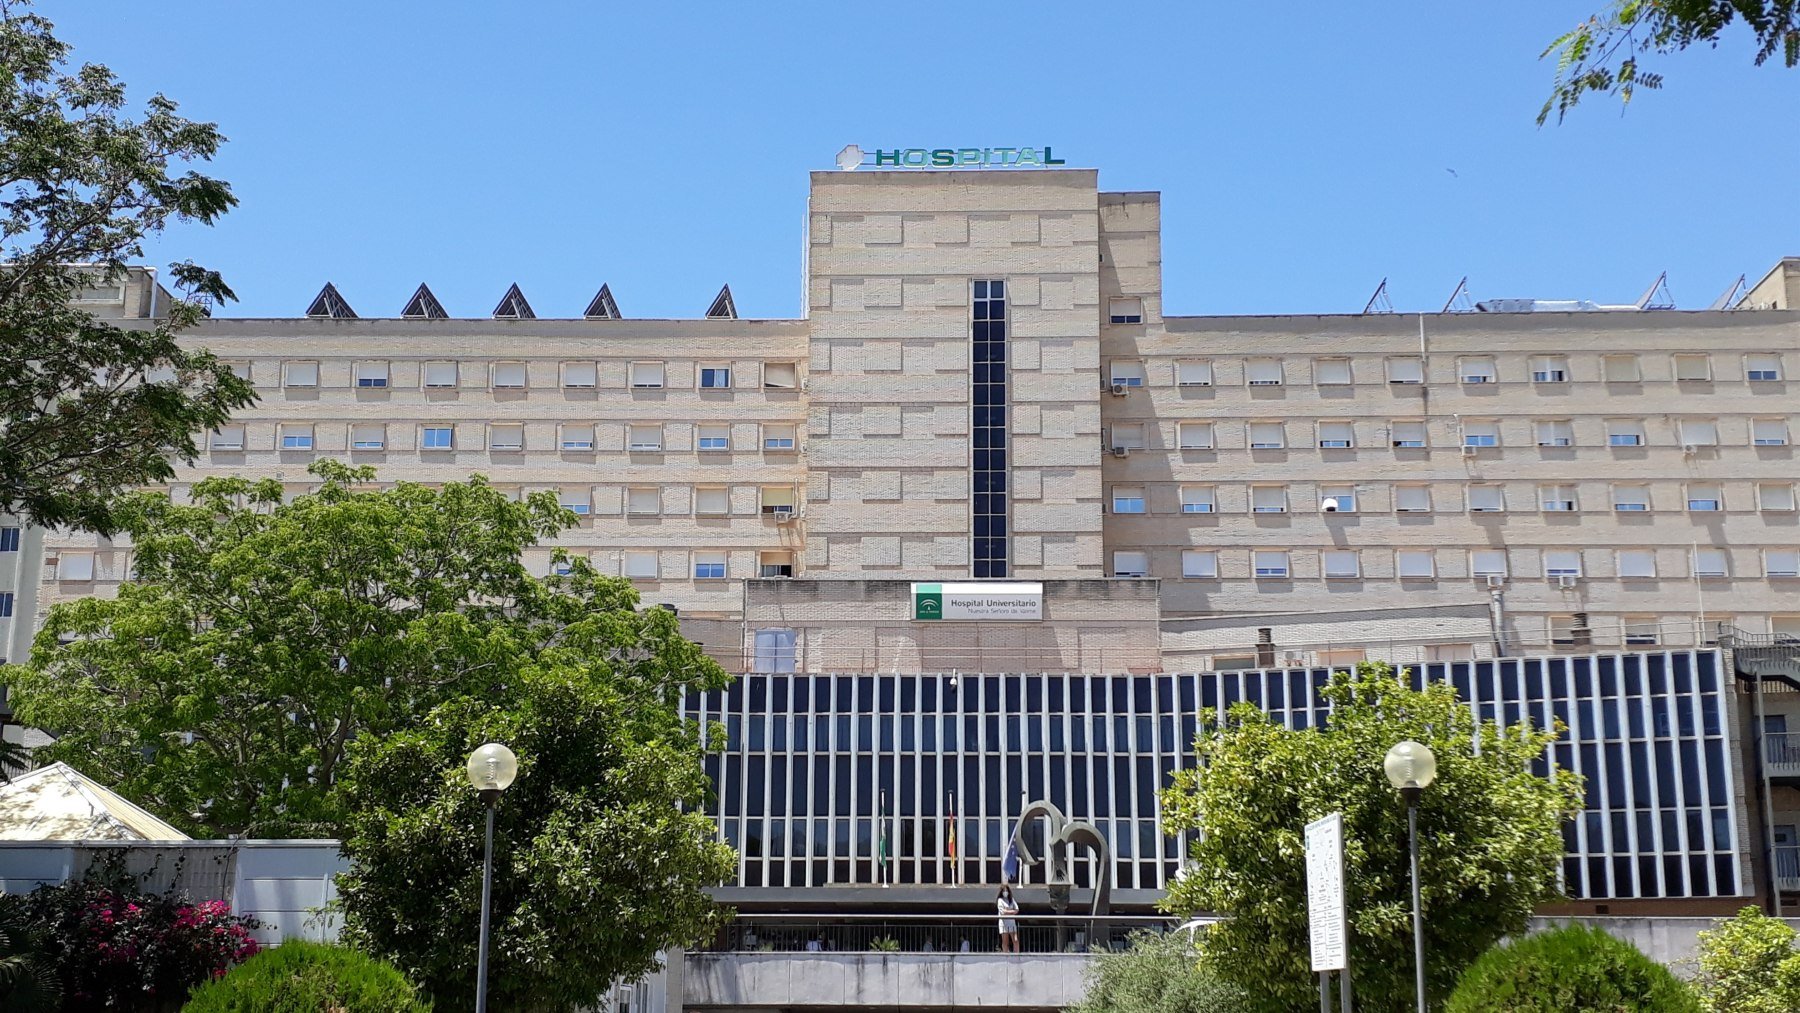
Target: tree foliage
{"x":1490,"y":838}
{"x":1601,"y":54}
{"x":89,"y":407}
{"x":1574,"y":968}
{"x":1159,"y":973}
{"x":305,"y":977}
{"x":1748,"y":965}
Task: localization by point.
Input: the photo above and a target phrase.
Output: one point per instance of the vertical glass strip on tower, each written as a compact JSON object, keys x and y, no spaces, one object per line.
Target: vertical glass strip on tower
{"x":990,"y":546}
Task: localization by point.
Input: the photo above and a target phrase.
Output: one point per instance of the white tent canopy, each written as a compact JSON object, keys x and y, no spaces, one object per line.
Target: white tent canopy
{"x":60,"y":803}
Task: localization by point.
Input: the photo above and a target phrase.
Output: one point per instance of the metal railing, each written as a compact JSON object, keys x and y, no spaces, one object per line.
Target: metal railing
{"x":1781,"y":749}
{"x":1787,"y":867}
{"x":925,"y":933}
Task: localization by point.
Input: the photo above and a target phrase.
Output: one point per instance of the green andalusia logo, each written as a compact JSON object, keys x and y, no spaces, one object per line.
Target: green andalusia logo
{"x":928,"y":601}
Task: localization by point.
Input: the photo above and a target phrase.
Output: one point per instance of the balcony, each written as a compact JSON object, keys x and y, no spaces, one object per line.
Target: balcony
{"x":1781,"y":758}
{"x":1787,"y":868}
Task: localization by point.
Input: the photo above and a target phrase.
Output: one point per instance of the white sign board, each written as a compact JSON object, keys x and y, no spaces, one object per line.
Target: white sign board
{"x":987,"y":601}
{"x":1325,"y":893}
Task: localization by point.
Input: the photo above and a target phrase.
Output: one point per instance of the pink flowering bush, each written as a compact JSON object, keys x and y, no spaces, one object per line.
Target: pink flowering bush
{"x":116,"y":949}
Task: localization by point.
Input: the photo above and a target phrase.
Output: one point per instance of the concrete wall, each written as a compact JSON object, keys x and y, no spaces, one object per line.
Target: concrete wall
{"x":1031,"y":981}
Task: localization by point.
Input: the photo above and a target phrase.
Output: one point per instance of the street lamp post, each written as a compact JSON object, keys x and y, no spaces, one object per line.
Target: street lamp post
{"x":491,"y":769}
{"x":1411,"y":768}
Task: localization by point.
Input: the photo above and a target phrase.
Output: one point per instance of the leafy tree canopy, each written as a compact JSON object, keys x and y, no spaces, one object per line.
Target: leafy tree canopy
{"x":1601,"y":54}
{"x":91,"y":408}
{"x":1573,"y":969}
{"x":300,"y":975}
{"x":1158,"y":973}
{"x":1490,"y":838}
{"x":1748,"y":965}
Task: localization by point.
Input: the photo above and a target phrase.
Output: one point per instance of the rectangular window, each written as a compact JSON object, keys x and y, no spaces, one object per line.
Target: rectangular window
{"x":507,"y":436}
{"x":1625,"y":432}
{"x":1555,"y":433}
{"x":1488,"y":563}
{"x":1129,"y":436}
{"x":1557,"y":498}
{"x":577,"y":436}
{"x":9,"y":539}
{"x":368,"y":436}
{"x":1407,"y":434}
{"x":228,"y":438}
{"x":1412,"y":499}
{"x":1127,"y":499}
{"x":1486,"y":499}
{"x":715,"y":377}
{"x":780,"y":376}
{"x":1269,"y":562}
{"x":581,"y":501}
{"x":1340,"y":564}
{"x":1406,"y":369}
{"x":1562,"y":563}
{"x":712,"y":500}
{"x":643,"y":500}
{"x":1631,"y":498}
{"x":1263,"y":372}
{"x":1340,"y":498}
{"x":508,"y":375}
{"x":437,"y":438}
{"x":1762,"y":367}
{"x":1194,"y":435}
{"x":1268,"y":499}
{"x":1194,"y":373}
{"x":1549,"y":369}
{"x":1710,"y":563}
{"x":1202,"y":563}
{"x":1699,"y":433}
{"x":1415,"y":564}
{"x":1705,"y":498}
{"x":371,"y":374}
{"x":1131,"y":564}
{"x":299,"y":374}
{"x":1637,"y":564}
{"x":990,"y":541}
{"x":1197,"y":499}
{"x":579,"y":375}
{"x":239,"y":368}
{"x":1769,"y":432}
{"x":1640,"y":630}
{"x":6,"y":605}
{"x":1777,"y":497}
{"x":640,"y":565}
{"x":775,"y":563}
{"x":644,"y":439}
{"x":709,"y":566}
{"x":1267,"y":436}
{"x":715,"y":437}
{"x":1781,"y":563}
{"x":1332,"y":372}
{"x":1620,"y":368}
{"x":75,"y":566}
{"x":777,"y":500}
{"x":440,"y":374}
{"x":1126,"y":373}
{"x":778,"y":437}
{"x":296,"y":437}
{"x":1478,"y":369}
{"x":645,"y":375}
{"x":1337,"y":435}
{"x":1125,"y":310}
{"x":1481,"y":434}
{"x":1693,"y":367}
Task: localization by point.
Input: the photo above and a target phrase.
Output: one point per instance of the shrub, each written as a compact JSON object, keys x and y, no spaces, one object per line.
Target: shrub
{"x":1157,"y":973}
{"x":303,"y":977}
{"x":1569,"y":970}
{"x":1748,"y":965}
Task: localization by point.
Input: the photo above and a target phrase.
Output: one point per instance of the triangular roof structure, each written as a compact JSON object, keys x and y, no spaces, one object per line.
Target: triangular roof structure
{"x":329,"y":304}
{"x":602,"y":307}
{"x":513,"y":306}
{"x":60,"y":803}
{"x":424,"y":306}
{"x":722,"y":307}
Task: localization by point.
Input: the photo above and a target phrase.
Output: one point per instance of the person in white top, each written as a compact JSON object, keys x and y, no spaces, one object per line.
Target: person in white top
{"x":1009,"y":922}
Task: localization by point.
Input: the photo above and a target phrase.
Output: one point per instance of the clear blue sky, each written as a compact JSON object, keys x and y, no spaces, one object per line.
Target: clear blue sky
{"x":1302,"y":150}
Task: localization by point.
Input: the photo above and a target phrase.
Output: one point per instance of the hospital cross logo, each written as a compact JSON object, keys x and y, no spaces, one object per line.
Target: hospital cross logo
{"x":928,"y":601}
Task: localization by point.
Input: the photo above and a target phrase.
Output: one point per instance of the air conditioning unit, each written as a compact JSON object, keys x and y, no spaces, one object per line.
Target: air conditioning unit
{"x":1496,"y":580}
{"x":1564,"y":580}
{"x":1690,"y":448}
{"x":1470,"y":451}
{"x":782,"y":514}
{"x":1121,"y":451}
{"x":1118,"y":389}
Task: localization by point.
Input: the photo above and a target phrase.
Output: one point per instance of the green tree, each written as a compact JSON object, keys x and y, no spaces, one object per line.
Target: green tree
{"x":1601,"y":54}
{"x":601,"y":850}
{"x":1748,"y":965}
{"x":89,"y":407}
{"x":223,"y":684}
{"x":1490,"y":838}
{"x":300,"y":976}
{"x":1158,"y":973}
{"x":1574,"y":969}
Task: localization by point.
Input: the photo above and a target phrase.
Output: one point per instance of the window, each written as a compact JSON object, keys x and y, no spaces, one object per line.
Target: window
{"x":715,"y":437}
{"x":1267,"y":436}
{"x":1710,"y":563}
{"x":1485,"y":499}
{"x":641,"y":565}
{"x":1412,"y":499}
{"x":1126,"y":310}
{"x":1337,"y":435}
{"x":644,"y":439}
{"x":1487,"y":563}
{"x":709,"y":566}
{"x":712,"y":500}
{"x":581,"y":501}
{"x":437,"y":438}
{"x":715,"y":377}
{"x":778,"y":437}
{"x":1194,"y":435}
{"x":506,"y":436}
{"x":1478,"y":369}
{"x":775,"y":563}
{"x":643,"y":500}
{"x":579,"y":374}
{"x":1779,"y":497}
{"x":1699,"y":433}
{"x":440,"y":374}
{"x":1481,"y":434}
{"x":1549,"y":369}
{"x":509,"y":374}
{"x":1640,"y":630}
{"x":1127,"y":499}
{"x":296,"y":437}
{"x":1562,"y":563}
{"x":1131,"y":564}
{"x":774,"y":651}
{"x":1557,"y":498}
{"x":1415,"y":564}
{"x":1563,"y":631}
{"x":577,"y":436}
{"x":1625,"y":432}
{"x":1269,"y":562}
{"x":1407,"y":434}
{"x":1555,"y":433}
{"x":1340,"y":564}
{"x":1331,"y":372}
{"x":368,"y":436}
{"x":1130,"y":437}
{"x":1406,"y":369}
{"x":1693,"y":367}
{"x":1704,"y":498}
{"x":1781,"y":563}
{"x":1194,"y":373}
{"x":1631,"y":498}
{"x":228,"y":438}
{"x":9,"y":539}
{"x":1762,"y":367}
{"x":780,"y":375}
{"x":1199,"y":563}
{"x":1126,"y":373}
{"x":1342,"y":495}
{"x":777,"y":500}
{"x":75,"y":566}
{"x":1620,"y":368}
{"x":1263,"y":372}
{"x":1197,"y":499}
{"x":239,"y":368}
{"x":1769,"y":432}
{"x":646,"y":375}
{"x":1268,"y":499}
{"x":299,"y":374}
{"x":371,"y":374}
{"x":6,"y":605}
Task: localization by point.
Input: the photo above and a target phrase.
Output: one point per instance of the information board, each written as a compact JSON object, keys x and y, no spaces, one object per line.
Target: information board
{"x":1325,"y":893}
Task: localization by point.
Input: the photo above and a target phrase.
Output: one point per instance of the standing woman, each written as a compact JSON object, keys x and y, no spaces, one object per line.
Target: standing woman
{"x":1009,"y":920}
